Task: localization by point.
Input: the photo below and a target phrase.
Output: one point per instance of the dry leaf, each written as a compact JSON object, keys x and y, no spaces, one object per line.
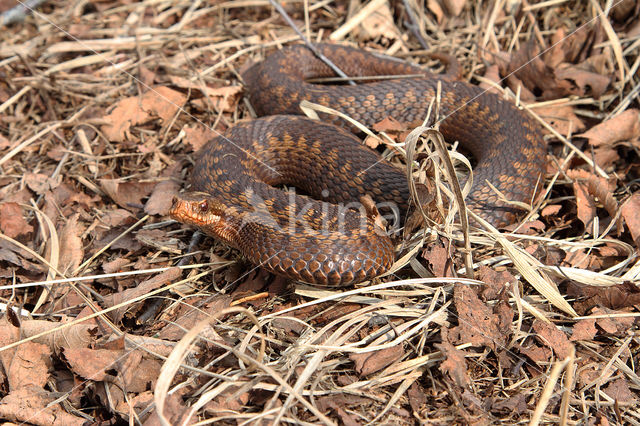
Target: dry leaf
{"x":477,"y":324}
{"x":584,"y":80}
{"x":379,"y":23}
{"x":629,"y":211}
{"x":160,"y":200}
{"x":585,"y":329}
{"x":197,"y":136}
{"x":561,"y":118}
{"x":619,"y":391}
{"x":71,"y":247}
{"x":550,"y":335}
{"x":454,"y":7}
{"x":159,"y":102}
{"x":454,"y":364}
{"x":12,"y":222}
{"x":370,"y":362}
{"x":622,"y":127}
{"x":127,"y":194}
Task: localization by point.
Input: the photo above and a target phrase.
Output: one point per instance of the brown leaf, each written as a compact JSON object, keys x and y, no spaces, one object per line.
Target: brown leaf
{"x":454,"y":364}
{"x":144,"y":287}
{"x":629,"y":211}
{"x":551,"y":336}
{"x":589,"y":186}
{"x":551,"y":210}
{"x":619,"y":391}
{"x":159,"y":101}
{"x":71,"y":247}
{"x":527,"y":65}
{"x":619,"y":128}
{"x":561,"y":118}
{"x":186,"y":316}
{"x":585,"y":329}
{"x":39,"y":182}
{"x":516,"y":404}
{"x":492,"y":73}
{"x":29,"y":366}
{"x":617,"y":326}
{"x":197,"y":136}
{"x":497,"y":282}
{"x":585,"y":203}
{"x":94,"y":364}
{"x":477,"y":324}
{"x":117,"y":217}
{"x":584,"y":79}
{"x":126,"y":194}
{"x":438,"y":258}
{"x":369,"y":362}
{"x":454,"y":7}
{"x":613,"y":297}
{"x":12,"y":222}
{"x":224,"y":99}
{"x":378,"y":23}
{"x":34,"y":406}
{"x":160,"y":200}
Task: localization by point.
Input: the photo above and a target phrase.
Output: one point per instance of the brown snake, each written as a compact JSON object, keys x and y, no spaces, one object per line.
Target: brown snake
{"x":319,"y":241}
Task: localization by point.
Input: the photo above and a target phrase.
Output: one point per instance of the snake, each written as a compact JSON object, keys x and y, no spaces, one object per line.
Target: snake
{"x":323,"y":235}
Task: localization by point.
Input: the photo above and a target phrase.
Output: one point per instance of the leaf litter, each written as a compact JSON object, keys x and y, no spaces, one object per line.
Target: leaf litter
{"x":103,"y":106}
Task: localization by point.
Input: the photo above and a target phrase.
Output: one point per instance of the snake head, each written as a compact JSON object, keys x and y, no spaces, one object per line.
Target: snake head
{"x":201,"y":210}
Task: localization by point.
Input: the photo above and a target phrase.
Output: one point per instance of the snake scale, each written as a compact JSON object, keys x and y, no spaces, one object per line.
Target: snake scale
{"x":316,"y":238}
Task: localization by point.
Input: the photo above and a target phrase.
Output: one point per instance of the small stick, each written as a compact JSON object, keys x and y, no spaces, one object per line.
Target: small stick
{"x":316,"y":52}
{"x":19,"y":13}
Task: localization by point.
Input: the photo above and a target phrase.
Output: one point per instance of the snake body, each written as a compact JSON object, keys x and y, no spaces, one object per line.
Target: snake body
{"x":320,"y":241}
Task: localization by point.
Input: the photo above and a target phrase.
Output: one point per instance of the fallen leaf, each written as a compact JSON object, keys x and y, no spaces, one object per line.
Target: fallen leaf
{"x":561,"y":118}
{"x":584,"y":80}
{"x":12,"y":222}
{"x":33,"y":405}
{"x":612,"y":297}
{"x":629,"y":211}
{"x":551,"y":336}
{"x":551,"y":210}
{"x":127,"y":194}
{"x":39,"y":182}
{"x":497,"y":282}
{"x":477,"y":324}
{"x":454,"y":364}
{"x":369,"y":362}
{"x":612,"y":323}
{"x":161,"y":198}
{"x":197,"y":136}
{"x":161,"y":102}
{"x":71,"y":247}
{"x":436,"y":9}
{"x":29,"y":366}
{"x":585,"y":329}
{"x":454,"y":7}
{"x":221,"y":99}
{"x":619,"y":391}
{"x":492,"y":73}
{"x":619,"y":128}
{"x":585,"y":203}
{"x":438,"y":258}
{"x":379,"y":23}
{"x":514,"y":405}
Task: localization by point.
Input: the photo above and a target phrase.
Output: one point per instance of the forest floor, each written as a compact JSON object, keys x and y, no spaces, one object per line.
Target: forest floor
{"x":103,"y":106}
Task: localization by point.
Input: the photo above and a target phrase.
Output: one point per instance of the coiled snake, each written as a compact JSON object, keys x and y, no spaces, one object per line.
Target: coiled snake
{"x":235,"y":175}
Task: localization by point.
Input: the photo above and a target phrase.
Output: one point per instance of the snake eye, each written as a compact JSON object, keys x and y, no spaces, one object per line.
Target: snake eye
{"x":204,"y":206}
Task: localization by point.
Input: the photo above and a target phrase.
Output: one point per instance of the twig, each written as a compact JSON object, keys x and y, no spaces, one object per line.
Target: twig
{"x":310,"y":45}
{"x":19,"y":12}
